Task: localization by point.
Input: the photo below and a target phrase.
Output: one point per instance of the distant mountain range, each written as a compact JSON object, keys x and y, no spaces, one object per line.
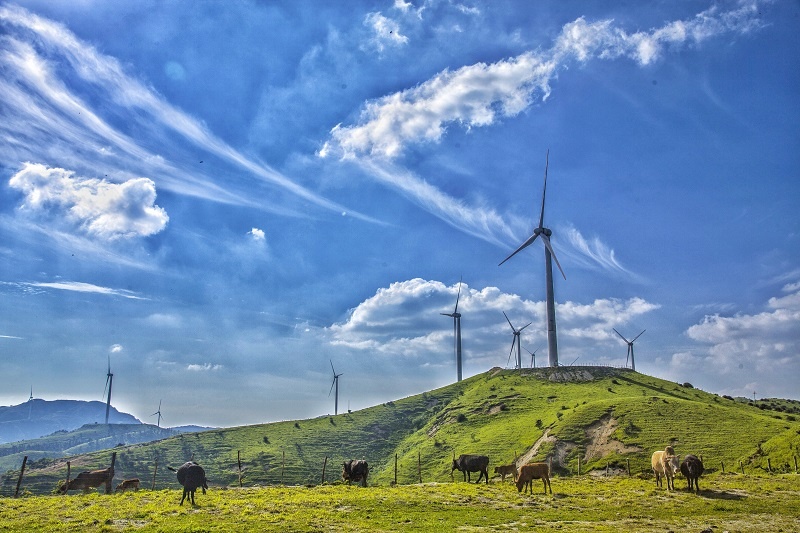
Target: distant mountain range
{"x":37,"y":418}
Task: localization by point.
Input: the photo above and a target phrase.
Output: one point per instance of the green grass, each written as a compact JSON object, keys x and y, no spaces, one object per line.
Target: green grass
{"x":498,"y":413}
{"x":727,"y":502}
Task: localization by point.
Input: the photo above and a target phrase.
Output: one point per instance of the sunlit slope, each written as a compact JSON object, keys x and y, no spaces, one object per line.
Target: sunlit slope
{"x":600,"y":416}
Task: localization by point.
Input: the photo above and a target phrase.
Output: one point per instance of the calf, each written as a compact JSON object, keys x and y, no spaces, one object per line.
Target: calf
{"x":506,"y":470}
{"x":692,"y":468}
{"x":665,"y":464}
{"x":89,"y":480}
{"x":355,"y":470}
{"x":529,"y":472}
{"x":472,"y":463}
{"x":192,"y":476}
{"x":128,"y":484}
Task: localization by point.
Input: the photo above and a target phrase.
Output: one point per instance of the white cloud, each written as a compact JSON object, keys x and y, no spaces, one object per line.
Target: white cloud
{"x":477,"y":95}
{"x":761,"y":348}
{"x":204,"y":367}
{"x":115,"y":348}
{"x":415,"y":306}
{"x":257,"y":234}
{"x":77,"y":286}
{"x":385,"y":32}
{"x":96,"y":207}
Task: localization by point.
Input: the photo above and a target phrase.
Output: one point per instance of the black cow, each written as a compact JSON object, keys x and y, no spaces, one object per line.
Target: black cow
{"x":192,"y":476}
{"x":355,"y":470}
{"x":692,"y":468}
{"x":472,"y":463}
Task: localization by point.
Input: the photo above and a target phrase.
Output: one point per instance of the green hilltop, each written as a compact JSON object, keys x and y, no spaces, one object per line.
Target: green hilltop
{"x":594,"y":418}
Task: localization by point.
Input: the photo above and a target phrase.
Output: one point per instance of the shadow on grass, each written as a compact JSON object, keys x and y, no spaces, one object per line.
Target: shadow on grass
{"x":720,"y":495}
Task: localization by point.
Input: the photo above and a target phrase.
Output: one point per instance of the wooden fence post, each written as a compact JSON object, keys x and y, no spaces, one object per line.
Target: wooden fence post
{"x":769,"y":465}
{"x":239,"y":460}
{"x":579,"y":465}
{"x":66,"y":490}
{"x":795,"y":464}
{"x":283,"y":464}
{"x":324,"y":464}
{"x":155,"y":470}
{"x":723,"y":468}
{"x":109,"y":487}
{"x":21,"y":472}
{"x":742,"y":467}
{"x":419,"y":465}
{"x":606,"y":469}
{"x":395,"y":469}
{"x":628,"y":461}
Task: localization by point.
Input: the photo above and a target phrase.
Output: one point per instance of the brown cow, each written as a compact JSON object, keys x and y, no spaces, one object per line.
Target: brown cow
{"x":506,"y":470}
{"x":128,"y":484}
{"x":88,"y":480}
{"x":665,"y":463}
{"x":531,"y":471}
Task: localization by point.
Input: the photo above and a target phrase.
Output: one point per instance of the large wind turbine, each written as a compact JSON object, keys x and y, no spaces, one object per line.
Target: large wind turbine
{"x":515,"y":341}
{"x":457,"y":330}
{"x":630,"y":347}
{"x":109,"y":381}
{"x":158,"y":424}
{"x":335,"y":384}
{"x":552,"y":342}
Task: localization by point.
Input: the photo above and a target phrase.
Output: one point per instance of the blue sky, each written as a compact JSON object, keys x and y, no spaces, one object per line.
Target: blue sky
{"x":222,"y":197}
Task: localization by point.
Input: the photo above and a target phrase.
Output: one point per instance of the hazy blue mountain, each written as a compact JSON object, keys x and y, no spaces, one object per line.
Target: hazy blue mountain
{"x":38,"y":418}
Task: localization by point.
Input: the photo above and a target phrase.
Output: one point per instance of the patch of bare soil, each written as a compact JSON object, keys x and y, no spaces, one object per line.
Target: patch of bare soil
{"x":600,"y":441}
{"x":528,"y":456}
{"x":571,"y":376}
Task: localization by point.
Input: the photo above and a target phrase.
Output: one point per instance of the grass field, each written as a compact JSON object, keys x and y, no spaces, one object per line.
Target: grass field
{"x":727,"y":502}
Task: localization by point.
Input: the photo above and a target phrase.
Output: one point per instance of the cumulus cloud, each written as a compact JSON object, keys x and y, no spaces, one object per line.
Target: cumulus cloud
{"x":764,"y":347}
{"x":95,"y":207}
{"x":115,"y":348}
{"x":477,"y":95}
{"x":415,"y":306}
{"x":257,"y":235}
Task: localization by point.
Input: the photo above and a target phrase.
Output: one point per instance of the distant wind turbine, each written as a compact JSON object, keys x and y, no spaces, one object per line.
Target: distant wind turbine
{"x":630,"y":348}
{"x":335,"y":384}
{"x":158,"y":424}
{"x":552,"y":341}
{"x":533,"y":356}
{"x":30,"y":403}
{"x":515,"y":345}
{"x":109,"y":382}
{"x":457,"y":330}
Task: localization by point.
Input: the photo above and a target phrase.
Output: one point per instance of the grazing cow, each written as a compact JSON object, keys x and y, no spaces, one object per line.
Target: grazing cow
{"x":355,"y":470}
{"x":506,"y":470}
{"x":128,"y":484}
{"x":472,"y":463}
{"x":192,"y":476}
{"x":692,"y":468}
{"x":531,"y":471}
{"x":665,"y":463}
{"x":88,"y":480}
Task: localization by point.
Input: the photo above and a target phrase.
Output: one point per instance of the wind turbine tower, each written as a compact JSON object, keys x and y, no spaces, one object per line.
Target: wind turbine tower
{"x":533,"y":356}
{"x":335,"y":385}
{"x":109,"y":382}
{"x":630,"y":348}
{"x":515,"y":344}
{"x":457,"y":330}
{"x":549,"y":255}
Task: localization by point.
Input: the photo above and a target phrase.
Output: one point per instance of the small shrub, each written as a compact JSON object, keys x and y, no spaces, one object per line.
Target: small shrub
{"x":539,"y":423}
{"x":688,"y":385}
{"x":266,"y":439}
{"x":297,"y":425}
{"x":461,"y":417}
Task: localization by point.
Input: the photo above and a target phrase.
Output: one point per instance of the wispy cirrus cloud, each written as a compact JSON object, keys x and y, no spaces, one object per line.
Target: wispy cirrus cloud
{"x":78,"y":286}
{"x":42,"y":60}
{"x":480,"y":95}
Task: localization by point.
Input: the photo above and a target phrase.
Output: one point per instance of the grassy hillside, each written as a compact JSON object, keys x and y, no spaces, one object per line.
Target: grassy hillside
{"x":601,"y":417}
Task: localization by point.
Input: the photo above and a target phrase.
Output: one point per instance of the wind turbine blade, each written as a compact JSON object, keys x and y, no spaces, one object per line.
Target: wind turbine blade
{"x":458,"y":296}
{"x":544,"y":190}
{"x":446,"y":314}
{"x":509,"y":353}
{"x":637,"y":336}
{"x":620,"y":334}
{"x":509,"y":322}
{"x":524,"y":245}
{"x":332,"y":384}
{"x":546,"y":240}
{"x":525,"y":326}
{"x":334,"y":370}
